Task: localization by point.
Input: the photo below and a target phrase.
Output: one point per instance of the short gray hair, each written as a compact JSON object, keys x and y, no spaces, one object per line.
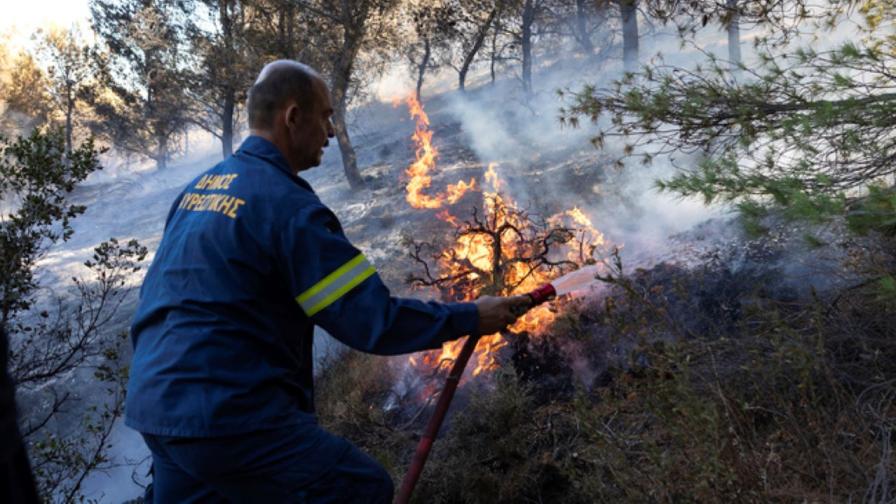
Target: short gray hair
{"x":279,"y":82}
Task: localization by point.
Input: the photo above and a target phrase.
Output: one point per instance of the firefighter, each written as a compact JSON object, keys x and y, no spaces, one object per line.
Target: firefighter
{"x":221,"y":383}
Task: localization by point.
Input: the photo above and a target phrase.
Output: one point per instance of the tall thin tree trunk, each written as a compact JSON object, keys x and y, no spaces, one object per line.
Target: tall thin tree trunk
{"x":225,"y":19}
{"x":471,"y":54}
{"x":340,"y":104}
{"x":227,"y":122}
{"x":629,"y":12}
{"x":494,"y":55}
{"x":290,"y":30}
{"x":281,"y":32}
{"x":421,"y":68}
{"x":162,"y":152}
{"x":528,"y":19}
{"x":69,"y":112}
{"x":349,"y":158}
{"x":581,"y":27}
{"x":285,"y":30}
{"x":734,"y":36}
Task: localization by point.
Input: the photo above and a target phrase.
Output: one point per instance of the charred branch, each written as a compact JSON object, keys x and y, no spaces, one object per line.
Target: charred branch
{"x":518,"y":247}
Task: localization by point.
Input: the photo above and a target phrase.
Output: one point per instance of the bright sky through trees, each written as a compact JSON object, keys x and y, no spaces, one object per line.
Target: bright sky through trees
{"x":21,"y":18}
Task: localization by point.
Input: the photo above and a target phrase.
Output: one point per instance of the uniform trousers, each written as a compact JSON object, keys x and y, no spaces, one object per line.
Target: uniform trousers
{"x":298,"y":464}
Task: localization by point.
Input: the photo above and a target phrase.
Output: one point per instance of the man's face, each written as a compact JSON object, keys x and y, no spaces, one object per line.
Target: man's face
{"x":313,"y":129}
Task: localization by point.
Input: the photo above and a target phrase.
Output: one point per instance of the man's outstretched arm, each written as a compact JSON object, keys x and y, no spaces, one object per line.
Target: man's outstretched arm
{"x":339,"y":290}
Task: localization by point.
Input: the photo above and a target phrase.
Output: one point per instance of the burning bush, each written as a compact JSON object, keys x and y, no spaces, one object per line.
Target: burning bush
{"x":500,"y":250}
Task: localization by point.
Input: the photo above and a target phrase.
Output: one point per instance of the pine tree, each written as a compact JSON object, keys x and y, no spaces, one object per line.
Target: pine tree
{"x":71,"y":75}
{"x":806,"y":133}
{"x":144,"y":71}
{"x":223,"y":68}
{"x":350,"y":39}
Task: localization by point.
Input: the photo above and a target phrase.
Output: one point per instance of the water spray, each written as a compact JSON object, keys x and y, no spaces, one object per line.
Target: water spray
{"x":566,"y":284}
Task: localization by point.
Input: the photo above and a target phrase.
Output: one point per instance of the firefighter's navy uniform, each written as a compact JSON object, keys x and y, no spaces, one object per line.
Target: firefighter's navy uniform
{"x":221,"y":379}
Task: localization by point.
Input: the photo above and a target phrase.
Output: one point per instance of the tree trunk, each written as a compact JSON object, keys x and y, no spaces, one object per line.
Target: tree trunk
{"x":227,"y":122}
{"x":225,"y":19}
{"x":341,"y":80}
{"x":734,"y":36}
{"x":494,"y":55}
{"x":629,"y":12}
{"x":421,"y":68}
{"x":352,"y":36}
{"x":526,"y":44}
{"x":477,"y":44}
{"x":285,"y":31}
{"x":69,"y":112}
{"x":581,"y":28}
{"x":349,"y":158}
{"x":162,"y":152}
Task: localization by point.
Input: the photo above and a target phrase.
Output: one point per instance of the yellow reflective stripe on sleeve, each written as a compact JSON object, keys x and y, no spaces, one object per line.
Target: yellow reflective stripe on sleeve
{"x":335,"y":285}
{"x":327,"y":301}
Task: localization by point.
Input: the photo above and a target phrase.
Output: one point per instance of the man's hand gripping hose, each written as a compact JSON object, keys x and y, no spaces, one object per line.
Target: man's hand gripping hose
{"x":495,"y":313}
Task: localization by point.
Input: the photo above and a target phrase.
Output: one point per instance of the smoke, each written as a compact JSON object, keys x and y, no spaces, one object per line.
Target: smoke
{"x":551,"y":167}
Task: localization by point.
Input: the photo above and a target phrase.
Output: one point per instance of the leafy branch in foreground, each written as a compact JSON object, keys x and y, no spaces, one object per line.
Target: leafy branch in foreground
{"x":805,"y":132}
{"x":36,"y":176}
{"x":65,"y":447}
{"x":53,"y":343}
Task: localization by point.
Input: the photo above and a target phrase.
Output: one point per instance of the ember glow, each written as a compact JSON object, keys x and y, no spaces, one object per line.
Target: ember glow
{"x":494,"y":254}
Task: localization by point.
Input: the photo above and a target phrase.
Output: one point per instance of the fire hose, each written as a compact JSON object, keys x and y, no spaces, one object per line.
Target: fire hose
{"x":538,"y":296}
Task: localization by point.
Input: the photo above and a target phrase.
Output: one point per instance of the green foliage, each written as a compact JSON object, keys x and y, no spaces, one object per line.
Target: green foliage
{"x":36,"y":175}
{"x":876,"y":212}
{"x":144,"y":108}
{"x":800,"y":133}
{"x":466,"y":468}
{"x":68,"y":438}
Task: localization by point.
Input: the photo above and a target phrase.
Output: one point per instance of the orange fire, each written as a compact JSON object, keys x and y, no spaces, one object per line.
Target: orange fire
{"x":478,"y":251}
{"x":588,"y":239}
{"x":419,"y":172}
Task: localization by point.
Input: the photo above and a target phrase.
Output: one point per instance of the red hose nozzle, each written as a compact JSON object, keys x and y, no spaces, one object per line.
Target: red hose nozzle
{"x":542,"y":294}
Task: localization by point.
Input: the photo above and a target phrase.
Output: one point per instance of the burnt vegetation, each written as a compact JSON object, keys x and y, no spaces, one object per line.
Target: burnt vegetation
{"x":713,"y":382}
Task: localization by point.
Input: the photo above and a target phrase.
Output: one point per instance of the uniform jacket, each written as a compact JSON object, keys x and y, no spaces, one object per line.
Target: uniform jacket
{"x":249,"y":262}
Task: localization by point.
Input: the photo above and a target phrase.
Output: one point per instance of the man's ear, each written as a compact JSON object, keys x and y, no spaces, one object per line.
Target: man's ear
{"x":292,"y":116}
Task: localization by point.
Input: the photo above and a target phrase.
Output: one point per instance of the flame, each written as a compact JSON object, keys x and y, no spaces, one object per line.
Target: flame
{"x":478,"y":250}
{"x":588,"y":239}
{"x":419,"y":172}
{"x":579,"y":216}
